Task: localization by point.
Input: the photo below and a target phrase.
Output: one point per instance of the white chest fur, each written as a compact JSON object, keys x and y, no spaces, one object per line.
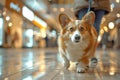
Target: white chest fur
{"x":74,"y":51}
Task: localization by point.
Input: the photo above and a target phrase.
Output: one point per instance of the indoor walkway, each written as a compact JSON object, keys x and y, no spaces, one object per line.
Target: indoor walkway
{"x":44,"y":64}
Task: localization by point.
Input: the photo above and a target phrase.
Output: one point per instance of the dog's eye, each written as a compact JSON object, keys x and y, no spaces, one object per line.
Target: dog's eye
{"x":81,"y":28}
{"x":71,"y":29}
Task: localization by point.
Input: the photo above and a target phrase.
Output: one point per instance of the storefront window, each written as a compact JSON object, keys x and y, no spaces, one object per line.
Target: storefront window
{"x":28,"y":34}
{"x":1,"y":31}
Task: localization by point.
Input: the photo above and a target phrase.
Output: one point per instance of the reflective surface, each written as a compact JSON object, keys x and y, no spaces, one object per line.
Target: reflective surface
{"x":44,"y":64}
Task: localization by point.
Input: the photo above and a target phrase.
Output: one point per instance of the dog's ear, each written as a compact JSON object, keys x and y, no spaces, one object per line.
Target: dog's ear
{"x":89,"y":17}
{"x":63,"y":19}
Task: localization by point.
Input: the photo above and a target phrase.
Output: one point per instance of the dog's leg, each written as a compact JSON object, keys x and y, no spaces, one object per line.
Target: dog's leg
{"x":66,"y":62}
{"x":82,"y":65}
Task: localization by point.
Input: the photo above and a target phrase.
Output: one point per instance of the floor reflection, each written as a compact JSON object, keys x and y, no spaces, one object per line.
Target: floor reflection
{"x":0,"y":65}
{"x":44,"y":64}
{"x":28,"y":78}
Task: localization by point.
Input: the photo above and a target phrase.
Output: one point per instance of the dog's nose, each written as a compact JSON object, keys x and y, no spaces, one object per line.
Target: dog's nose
{"x":77,"y":37}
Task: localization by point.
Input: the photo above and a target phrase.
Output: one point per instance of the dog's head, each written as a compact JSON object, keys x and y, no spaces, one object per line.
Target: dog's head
{"x":76,"y":30}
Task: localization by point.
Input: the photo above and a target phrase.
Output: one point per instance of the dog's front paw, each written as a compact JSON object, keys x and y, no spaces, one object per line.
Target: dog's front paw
{"x":66,"y":64}
{"x":81,"y":68}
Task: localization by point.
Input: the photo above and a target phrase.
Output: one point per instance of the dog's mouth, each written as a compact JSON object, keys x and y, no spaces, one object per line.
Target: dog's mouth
{"x":76,"y":41}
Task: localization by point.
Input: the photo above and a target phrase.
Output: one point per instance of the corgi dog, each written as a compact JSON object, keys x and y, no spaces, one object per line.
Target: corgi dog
{"x":77,"y":40}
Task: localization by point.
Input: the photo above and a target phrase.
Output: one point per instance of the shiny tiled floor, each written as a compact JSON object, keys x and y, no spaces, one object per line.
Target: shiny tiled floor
{"x":44,"y":64}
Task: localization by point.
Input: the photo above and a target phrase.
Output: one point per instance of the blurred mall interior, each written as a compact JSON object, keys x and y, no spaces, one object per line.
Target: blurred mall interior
{"x":29,"y":25}
{"x":34,"y":23}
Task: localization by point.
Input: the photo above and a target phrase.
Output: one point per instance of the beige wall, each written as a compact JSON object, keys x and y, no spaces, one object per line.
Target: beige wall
{"x":16,"y":28}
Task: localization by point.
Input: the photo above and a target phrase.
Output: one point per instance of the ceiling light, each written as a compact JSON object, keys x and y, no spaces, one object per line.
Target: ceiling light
{"x":117,"y":1}
{"x":111,"y":25}
{"x":27,"y":13}
{"x":118,"y":15}
{"x":7,"y":18}
{"x":10,"y":24}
